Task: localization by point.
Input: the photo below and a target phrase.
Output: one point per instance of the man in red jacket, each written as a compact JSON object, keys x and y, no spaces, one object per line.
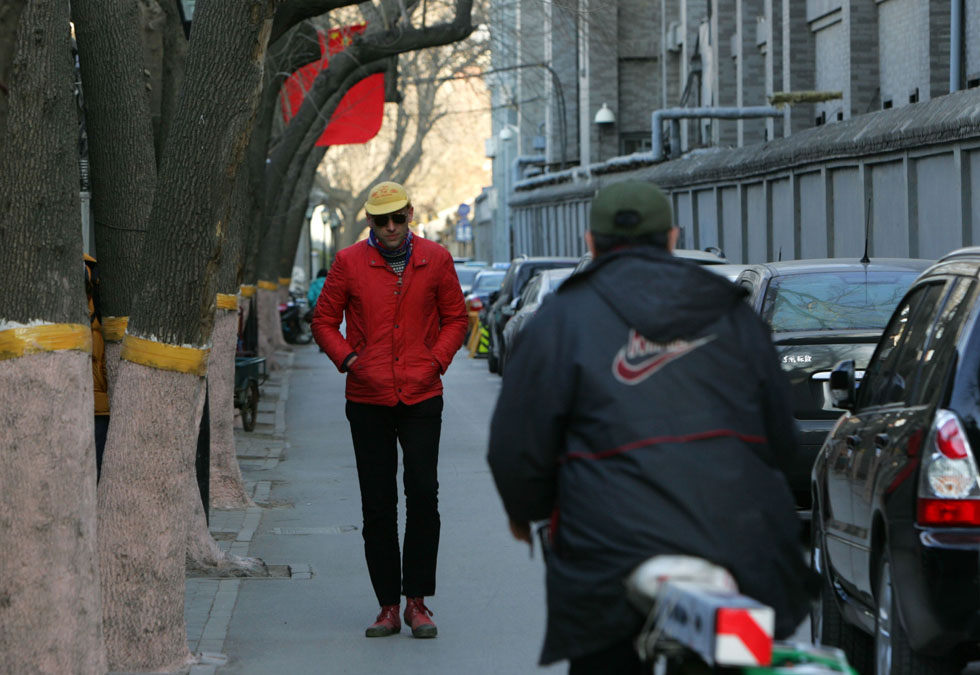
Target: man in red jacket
{"x":405,"y":321}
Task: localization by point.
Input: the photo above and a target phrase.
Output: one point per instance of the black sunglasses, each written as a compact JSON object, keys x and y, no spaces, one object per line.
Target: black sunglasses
{"x":381,"y":219}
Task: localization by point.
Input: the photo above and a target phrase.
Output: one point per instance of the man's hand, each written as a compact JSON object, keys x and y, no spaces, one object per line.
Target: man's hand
{"x":521,"y":531}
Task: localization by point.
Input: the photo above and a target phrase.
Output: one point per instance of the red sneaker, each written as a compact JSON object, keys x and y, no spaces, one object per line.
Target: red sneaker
{"x":417,"y":616}
{"x":386,"y":624}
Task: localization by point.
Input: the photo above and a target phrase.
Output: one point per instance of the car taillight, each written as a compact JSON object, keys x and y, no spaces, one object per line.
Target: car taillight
{"x":474,"y":304}
{"x":949,"y":484}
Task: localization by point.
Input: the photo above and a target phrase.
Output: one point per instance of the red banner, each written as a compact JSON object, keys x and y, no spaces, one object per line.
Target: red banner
{"x":358,"y":116}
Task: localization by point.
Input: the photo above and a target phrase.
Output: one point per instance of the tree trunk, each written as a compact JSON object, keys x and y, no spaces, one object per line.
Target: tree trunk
{"x":9,"y":18}
{"x":49,"y":596}
{"x":270,"y":326}
{"x":227,"y":488}
{"x":153,"y":436}
{"x":143,"y":516}
{"x":120,"y":137}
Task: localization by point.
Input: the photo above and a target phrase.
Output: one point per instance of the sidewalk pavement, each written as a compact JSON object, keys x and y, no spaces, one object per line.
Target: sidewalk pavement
{"x":310,"y":617}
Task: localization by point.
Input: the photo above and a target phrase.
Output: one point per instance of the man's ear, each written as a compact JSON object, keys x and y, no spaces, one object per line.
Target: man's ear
{"x":672,"y":236}
{"x":590,"y":242}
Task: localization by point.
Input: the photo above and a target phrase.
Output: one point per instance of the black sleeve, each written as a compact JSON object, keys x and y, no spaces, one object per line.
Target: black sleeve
{"x":527,"y":430}
{"x":775,"y":394}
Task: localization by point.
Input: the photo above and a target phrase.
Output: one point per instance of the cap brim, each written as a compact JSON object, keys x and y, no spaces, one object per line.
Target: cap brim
{"x":390,"y":207}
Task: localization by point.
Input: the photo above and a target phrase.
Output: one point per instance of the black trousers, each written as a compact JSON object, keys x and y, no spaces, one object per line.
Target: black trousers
{"x":101,"y":433}
{"x":376,"y":431}
{"x":619,"y":658}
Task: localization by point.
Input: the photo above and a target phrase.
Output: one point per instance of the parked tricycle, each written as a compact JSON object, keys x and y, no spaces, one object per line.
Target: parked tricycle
{"x":250,"y":372}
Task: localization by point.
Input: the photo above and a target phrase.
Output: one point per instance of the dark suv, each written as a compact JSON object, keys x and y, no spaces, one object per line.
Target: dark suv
{"x":823,"y":311}
{"x":896,"y":492}
{"x":501,"y":305}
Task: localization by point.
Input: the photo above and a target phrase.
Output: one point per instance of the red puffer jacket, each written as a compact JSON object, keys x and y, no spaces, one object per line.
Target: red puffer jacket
{"x":405,"y":332}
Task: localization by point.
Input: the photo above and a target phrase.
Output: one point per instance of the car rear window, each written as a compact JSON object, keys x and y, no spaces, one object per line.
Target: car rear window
{"x":488,"y":281}
{"x":467,"y":274}
{"x":845,"y":300}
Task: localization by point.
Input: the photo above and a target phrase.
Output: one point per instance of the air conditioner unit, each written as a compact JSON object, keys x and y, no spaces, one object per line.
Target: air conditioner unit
{"x":490,"y":148}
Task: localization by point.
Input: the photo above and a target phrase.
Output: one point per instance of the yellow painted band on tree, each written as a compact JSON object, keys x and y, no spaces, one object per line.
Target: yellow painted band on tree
{"x":284,"y":281}
{"x":229,"y":302}
{"x":52,"y":337}
{"x":165,"y":357}
{"x":248,"y":290}
{"x":114,"y":328}
{"x":268,"y":285}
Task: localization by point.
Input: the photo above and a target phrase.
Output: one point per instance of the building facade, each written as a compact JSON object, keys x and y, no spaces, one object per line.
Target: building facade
{"x":801,"y":126}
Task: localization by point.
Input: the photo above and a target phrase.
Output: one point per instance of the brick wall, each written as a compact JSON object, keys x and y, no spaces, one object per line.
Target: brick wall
{"x":861,"y":26}
{"x":563,"y":45}
{"x":938,"y":19}
{"x":531,"y":82}
{"x":600,"y":85}
{"x":799,"y":64}
{"x":751,"y":66}
{"x":971,"y":38}
{"x":723,"y":29}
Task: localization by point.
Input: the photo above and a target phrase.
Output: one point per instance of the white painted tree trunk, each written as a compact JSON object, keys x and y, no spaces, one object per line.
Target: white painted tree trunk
{"x":226,"y":487}
{"x":148,"y":463}
{"x":112,"y":351}
{"x":50,"y":603}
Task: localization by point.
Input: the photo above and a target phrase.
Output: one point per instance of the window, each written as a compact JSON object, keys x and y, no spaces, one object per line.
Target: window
{"x":939,"y":355}
{"x":886,"y":104}
{"x":635,"y":142}
{"x":889,"y":377}
{"x":821,"y":119}
{"x":854,"y":300}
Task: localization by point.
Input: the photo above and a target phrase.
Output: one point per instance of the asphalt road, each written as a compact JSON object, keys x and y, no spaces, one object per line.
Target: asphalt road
{"x":489,"y":603}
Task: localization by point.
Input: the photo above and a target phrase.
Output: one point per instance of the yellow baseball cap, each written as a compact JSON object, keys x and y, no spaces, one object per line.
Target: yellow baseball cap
{"x":386,"y":197}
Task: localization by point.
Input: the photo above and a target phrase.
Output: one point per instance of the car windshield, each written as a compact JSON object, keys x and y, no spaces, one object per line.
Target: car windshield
{"x":488,"y":281}
{"x":858,"y":300}
{"x":467,"y":274}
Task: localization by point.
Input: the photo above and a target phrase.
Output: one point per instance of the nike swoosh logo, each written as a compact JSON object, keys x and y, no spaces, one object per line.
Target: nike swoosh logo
{"x":634,"y":373}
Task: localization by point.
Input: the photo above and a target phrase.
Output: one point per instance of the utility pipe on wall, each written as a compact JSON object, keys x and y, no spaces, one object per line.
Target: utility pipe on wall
{"x":674,"y":114}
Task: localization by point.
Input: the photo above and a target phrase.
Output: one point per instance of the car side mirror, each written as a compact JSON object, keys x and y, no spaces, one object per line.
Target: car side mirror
{"x":515,"y":304}
{"x":842,"y":385}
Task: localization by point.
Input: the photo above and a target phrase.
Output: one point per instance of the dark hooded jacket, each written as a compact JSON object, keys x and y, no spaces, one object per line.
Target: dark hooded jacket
{"x":644,"y":411}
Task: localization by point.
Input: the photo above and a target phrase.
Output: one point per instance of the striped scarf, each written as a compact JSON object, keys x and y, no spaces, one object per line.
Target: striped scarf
{"x":398,"y":258}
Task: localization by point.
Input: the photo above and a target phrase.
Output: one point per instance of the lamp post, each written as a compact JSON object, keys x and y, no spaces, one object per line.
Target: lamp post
{"x":509,"y":138}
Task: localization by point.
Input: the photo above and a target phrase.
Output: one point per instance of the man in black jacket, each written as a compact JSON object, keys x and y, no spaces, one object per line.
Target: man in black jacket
{"x":644,"y":412}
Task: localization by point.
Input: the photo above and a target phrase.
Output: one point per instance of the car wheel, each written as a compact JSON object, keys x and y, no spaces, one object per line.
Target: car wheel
{"x":892,"y":652}
{"x":827,"y":624}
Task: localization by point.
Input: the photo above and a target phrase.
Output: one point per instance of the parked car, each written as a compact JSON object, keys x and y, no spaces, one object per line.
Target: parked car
{"x":538,"y":288}
{"x":466,"y":273}
{"x":710,"y":256}
{"x":728,"y":270}
{"x":486,"y":282}
{"x":499,"y":312}
{"x":896,"y":491}
{"x":822,"y":312}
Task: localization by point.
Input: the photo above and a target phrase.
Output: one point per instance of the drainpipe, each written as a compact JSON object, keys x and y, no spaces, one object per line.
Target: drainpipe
{"x":524,"y":161}
{"x":674,"y":114}
{"x":955,"y":45}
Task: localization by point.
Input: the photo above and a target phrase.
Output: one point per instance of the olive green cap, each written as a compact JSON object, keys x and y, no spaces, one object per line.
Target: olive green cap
{"x":629,"y":209}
